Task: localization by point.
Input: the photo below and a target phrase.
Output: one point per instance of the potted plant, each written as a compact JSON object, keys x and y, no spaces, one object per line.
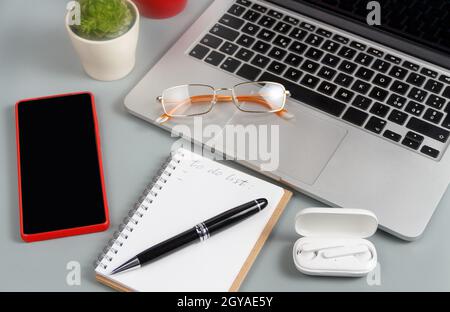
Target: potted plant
{"x":106,"y":37}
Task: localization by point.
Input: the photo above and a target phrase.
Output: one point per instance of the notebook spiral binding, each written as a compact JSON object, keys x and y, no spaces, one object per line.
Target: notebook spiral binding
{"x":139,"y":209}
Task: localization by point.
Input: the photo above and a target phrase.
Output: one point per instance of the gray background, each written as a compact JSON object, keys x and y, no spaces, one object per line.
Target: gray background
{"x":37,"y":59}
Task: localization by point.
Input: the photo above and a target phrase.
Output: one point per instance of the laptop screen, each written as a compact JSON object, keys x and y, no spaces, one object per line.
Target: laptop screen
{"x":424,"y":22}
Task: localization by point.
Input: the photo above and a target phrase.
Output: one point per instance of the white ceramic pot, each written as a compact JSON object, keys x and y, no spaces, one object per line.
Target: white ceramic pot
{"x":109,"y":59}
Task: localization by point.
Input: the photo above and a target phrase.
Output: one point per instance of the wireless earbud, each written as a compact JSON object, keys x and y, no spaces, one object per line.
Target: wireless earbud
{"x":345,"y":251}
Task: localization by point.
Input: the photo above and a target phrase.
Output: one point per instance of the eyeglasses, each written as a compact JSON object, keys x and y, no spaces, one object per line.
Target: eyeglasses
{"x":198,"y":99}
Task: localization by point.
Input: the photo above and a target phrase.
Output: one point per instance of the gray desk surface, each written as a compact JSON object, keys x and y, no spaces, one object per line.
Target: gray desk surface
{"x":36,"y":59}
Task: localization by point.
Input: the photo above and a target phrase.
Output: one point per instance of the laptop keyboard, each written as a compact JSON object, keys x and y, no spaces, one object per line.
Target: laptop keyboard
{"x":396,"y":99}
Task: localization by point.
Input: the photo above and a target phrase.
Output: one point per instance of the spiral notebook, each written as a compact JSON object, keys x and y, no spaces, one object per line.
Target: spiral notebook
{"x":189,"y":189}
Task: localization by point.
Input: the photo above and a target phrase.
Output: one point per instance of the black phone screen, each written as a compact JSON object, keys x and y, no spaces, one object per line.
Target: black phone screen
{"x":60,"y":168}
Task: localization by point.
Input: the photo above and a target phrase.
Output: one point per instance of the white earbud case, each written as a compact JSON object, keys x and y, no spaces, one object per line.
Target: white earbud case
{"x":333,"y":242}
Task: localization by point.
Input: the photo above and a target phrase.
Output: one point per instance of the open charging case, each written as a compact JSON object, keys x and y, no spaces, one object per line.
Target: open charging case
{"x":333,"y":242}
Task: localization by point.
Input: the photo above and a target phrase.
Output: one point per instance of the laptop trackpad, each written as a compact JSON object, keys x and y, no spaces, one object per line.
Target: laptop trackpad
{"x":306,"y":143}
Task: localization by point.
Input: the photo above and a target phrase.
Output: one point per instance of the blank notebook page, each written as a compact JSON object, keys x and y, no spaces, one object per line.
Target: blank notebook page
{"x":197,"y":189}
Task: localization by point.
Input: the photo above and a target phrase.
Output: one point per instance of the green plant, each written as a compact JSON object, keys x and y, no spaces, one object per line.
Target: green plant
{"x":104,"y":19}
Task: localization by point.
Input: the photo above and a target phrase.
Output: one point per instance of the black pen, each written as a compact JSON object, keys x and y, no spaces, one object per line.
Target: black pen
{"x":200,"y":232}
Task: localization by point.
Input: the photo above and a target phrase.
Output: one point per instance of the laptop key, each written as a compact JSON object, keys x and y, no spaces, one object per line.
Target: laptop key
{"x":293,"y":59}
{"x":267,"y":21}
{"x":310,"y":66}
{"x":417,"y":94}
{"x":266,"y":35}
{"x":428,"y":129}
{"x":364,"y":73}
{"x":348,"y":67}
{"x":327,"y":88}
{"x":259,"y":8}
{"x":230,"y":65}
{"x":379,"y":109}
{"x":260,"y":61}
{"x":393,"y":59}
{"x":229,"y":48}
{"x":248,"y":72}
{"x":291,"y":20}
{"x":298,"y":47}
{"x":396,"y":101}
{"x":435,"y":101}
{"x":199,"y":51}
{"x":433,"y":116}
{"x":236,"y":10}
{"x":447,"y":108}
{"x":326,"y":72}
{"x":232,"y":21}
{"x":314,"y":40}
{"x":399,"y":87}
{"x":251,"y":16}
{"x":331,"y":60}
{"x":344,"y":95}
{"x":276,"y":67}
{"x":224,"y":32}
{"x":282,"y":27}
{"x":293,"y":74}
{"x":414,"y":108}
{"x":310,"y":81}
{"x":410,"y":66}
{"x":433,"y":86}
{"x":362,"y":102}
{"x":446,"y":122}
{"x":429,"y":151}
{"x":361,"y":86}
{"x":381,"y":66}
{"x":398,"y":72}
{"x":282,"y":41}
{"x":428,"y":72}
{"x":355,"y":116}
{"x":244,"y":54}
{"x":307,"y":26}
{"x":307,"y":96}
{"x":378,"y":94}
{"x":330,"y":46}
{"x":358,"y":45}
{"x":298,"y":33}
{"x":415,"y":79}
{"x":375,"y":52}
{"x":382,"y":80}
{"x":277,"y":53}
{"x":324,"y":32}
{"x":376,"y":125}
{"x":251,"y":29}
{"x":275,"y":14}
{"x":261,"y":47}
{"x":411,"y":143}
{"x":214,"y":58}
{"x":445,"y":79}
{"x":245,"y":41}
{"x":343,"y":80}
{"x":391,"y":135}
{"x":314,"y":54}
{"x":415,"y":137}
{"x":246,"y":3}
{"x":340,"y":39}
{"x":211,"y":41}
{"x":446,"y":93}
{"x":364,"y":59}
{"x":347,"y":52}
{"x":398,"y":117}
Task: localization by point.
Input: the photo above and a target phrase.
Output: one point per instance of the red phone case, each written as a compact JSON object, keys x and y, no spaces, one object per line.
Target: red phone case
{"x":72,"y":231}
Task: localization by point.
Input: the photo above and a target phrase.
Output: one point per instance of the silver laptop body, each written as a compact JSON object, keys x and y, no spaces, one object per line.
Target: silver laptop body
{"x":321,"y":155}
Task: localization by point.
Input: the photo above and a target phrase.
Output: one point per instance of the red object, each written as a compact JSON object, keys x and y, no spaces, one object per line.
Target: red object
{"x":160,"y":8}
{"x":72,"y":231}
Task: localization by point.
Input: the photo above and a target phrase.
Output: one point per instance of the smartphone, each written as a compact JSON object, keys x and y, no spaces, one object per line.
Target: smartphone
{"x":60,"y":172}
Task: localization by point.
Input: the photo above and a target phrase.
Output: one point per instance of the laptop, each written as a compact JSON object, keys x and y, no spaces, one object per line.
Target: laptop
{"x":371,"y":104}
